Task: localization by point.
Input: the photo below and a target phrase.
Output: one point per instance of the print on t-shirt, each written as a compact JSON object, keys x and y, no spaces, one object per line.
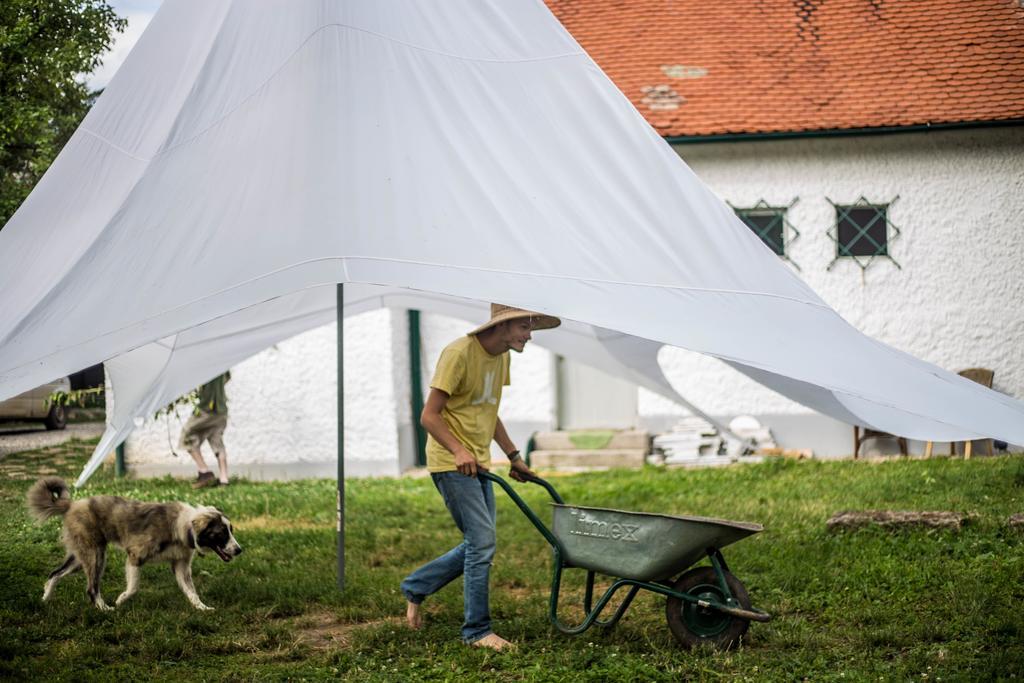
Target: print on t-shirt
{"x":487,"y":396}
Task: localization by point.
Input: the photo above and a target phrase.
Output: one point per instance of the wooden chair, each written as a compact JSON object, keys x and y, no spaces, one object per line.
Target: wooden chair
{"x":982,"y":376}
{"x":862,"y":435}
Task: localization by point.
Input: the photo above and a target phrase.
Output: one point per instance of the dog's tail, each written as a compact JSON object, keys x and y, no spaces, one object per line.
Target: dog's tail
{"x":48,"y":497}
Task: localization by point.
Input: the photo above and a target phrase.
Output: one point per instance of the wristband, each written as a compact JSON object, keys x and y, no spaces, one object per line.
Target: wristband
{"x":513,"y":456}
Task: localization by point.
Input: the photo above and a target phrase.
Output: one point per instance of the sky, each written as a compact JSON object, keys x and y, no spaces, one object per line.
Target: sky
{"x":138,"y":13}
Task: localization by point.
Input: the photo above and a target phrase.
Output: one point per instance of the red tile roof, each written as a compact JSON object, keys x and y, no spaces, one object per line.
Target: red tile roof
{"x":713,"y":67}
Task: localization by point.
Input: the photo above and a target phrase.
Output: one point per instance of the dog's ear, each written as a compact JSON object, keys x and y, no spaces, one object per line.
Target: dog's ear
{"x":195,"y":528}
{"x":199,"y":523}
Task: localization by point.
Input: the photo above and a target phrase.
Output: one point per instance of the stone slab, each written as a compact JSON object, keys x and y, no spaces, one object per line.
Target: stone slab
{"x":562,"y":441}
{"x":579,"y":460}
{"x":896,"y":519}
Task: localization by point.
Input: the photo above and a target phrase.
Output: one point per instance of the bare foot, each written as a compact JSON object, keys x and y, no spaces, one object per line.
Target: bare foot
{"x":494,"y":642}
{"x":413,"y":616}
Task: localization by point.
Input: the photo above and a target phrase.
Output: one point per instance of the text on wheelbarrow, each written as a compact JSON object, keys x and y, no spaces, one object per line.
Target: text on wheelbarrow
{"x":584,"y":525}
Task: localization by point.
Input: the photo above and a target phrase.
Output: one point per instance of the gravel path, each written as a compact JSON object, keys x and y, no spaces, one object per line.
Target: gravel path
{"x":15,"y":438}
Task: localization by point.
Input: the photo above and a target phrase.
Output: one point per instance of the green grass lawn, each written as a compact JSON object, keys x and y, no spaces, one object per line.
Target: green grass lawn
{"x":866,"y":605}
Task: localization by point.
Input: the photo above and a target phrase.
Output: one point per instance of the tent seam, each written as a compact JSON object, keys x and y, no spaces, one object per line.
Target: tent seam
{"x":344,"y":258}
{"x":115,"y":146}
{"x":291,"y":319}
{"x":421,"y":48}
{"x":389,"y":39}
{"x":586,"y":279}
{"x":853,"y":395}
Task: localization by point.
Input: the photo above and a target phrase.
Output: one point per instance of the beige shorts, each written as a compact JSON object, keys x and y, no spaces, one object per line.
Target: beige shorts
{"x":204,"y":427}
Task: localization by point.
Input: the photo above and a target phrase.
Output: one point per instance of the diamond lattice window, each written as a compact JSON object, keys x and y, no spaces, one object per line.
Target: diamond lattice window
{"x":771,"y":225}
{"x":863,"y":232}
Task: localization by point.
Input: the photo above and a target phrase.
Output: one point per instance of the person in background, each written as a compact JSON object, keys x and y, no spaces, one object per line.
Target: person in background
{"x":207,"y":423}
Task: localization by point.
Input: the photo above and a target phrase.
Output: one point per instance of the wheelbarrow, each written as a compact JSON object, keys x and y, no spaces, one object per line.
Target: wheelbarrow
{"x":649,"y":551}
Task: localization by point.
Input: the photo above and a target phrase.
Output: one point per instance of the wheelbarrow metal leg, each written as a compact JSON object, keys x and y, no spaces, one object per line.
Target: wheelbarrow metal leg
{"x":623,"y":606}
{"x":592,"y":615}
{"x":626,"y":602}
{"x":717,"y":554}
{"x":718,"y":563}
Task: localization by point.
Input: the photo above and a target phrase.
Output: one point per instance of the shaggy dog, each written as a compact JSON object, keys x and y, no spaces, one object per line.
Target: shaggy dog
{"x":168,"y":532}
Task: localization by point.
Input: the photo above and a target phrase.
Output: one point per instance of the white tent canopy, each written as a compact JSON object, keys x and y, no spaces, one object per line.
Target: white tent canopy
{"x":147,"y":378}
{"x":250,"y":151}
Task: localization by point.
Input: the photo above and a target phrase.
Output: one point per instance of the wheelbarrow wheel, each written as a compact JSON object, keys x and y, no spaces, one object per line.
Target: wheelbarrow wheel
{"x":692,"y":624}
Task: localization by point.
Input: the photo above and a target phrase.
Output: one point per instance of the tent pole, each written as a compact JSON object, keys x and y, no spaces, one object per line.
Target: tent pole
{"x":119,"y":460}
{"x":341,"y":437}
{"x":416,"y":384}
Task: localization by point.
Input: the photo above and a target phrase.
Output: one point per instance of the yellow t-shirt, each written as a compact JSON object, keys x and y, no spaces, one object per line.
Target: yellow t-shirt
{"x":473,"y":379}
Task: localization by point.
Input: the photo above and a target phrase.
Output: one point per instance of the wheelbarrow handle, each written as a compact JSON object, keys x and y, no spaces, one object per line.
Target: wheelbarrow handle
{"x":521,"y":504}
{"x":529,"y":477}
{"x":534,"y":479}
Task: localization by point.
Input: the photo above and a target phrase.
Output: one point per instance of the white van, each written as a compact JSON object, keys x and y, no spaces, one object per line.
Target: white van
{"x":35,"y":405}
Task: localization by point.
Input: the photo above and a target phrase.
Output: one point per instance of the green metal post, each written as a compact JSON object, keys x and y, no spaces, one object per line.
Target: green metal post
{"x":119,"y":470}
{"x":341,"y":436}
{"x":416,"y":382}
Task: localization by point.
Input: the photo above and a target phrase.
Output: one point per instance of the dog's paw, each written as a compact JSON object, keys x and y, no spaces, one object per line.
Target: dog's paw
{"x":121,"y":598}
{"x":203,"y":608}
{"x":104,"y":607}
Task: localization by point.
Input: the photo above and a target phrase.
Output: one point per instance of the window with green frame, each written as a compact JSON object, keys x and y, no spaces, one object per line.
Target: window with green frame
{"x":768,"y":224}
{"x":771,"y":224}
{"x":863,"y":232}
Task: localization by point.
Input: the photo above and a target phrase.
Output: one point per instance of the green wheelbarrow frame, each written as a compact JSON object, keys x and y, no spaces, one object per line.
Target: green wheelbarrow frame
{"x":644,"y":551}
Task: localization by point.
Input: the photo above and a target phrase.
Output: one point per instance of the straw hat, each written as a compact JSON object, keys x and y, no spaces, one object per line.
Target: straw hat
{"x":500,"y":313}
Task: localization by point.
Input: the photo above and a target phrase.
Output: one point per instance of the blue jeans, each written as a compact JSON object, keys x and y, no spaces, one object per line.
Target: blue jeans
{"x":470,"y":501}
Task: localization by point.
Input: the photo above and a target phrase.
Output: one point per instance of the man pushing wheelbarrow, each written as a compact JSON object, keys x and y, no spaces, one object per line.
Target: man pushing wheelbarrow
{"x":461,"y":419}
{"x":641,"y":550}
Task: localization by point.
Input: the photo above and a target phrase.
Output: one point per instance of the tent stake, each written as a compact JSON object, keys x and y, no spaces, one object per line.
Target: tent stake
{"x":341,"y":437}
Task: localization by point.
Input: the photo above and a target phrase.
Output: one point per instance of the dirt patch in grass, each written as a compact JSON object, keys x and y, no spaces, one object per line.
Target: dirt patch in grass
{"x":267,"y":523}
{"x":17,"y":472}
{"x":324,"y":631}
{"x":519,"y":593}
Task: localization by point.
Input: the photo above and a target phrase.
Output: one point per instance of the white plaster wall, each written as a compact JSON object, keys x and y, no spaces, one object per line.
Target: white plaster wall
{"x":283,"y":409}
{"x":957,"y":301}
